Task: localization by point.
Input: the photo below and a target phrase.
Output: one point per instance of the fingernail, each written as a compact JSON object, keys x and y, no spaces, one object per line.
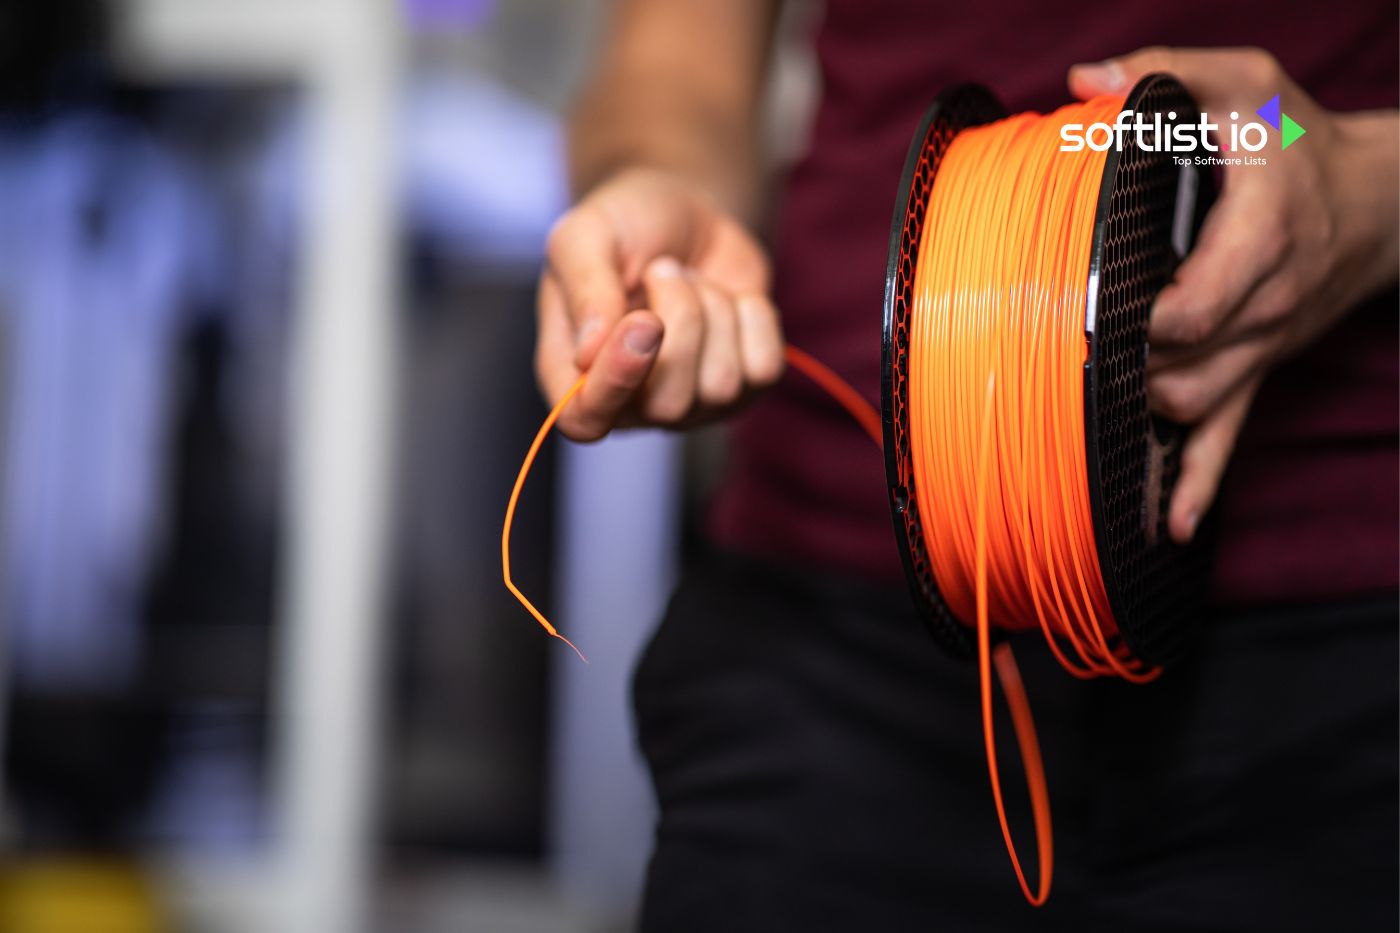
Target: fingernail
{"x":1106,"y":76}
{"x":1192,"y":519}
{"x":585,"y":331}
{"x":665,"y":268}
{"x":642,"y":338}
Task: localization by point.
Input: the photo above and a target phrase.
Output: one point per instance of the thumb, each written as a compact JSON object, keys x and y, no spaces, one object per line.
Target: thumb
{"x":1090,"y":79}
{"x":622,"y":364}
{"x":1211,"y":75}
{"x":1117,"y":75}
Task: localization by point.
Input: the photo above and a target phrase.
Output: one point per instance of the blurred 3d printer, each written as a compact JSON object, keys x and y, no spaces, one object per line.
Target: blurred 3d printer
{"x":151,"y":250}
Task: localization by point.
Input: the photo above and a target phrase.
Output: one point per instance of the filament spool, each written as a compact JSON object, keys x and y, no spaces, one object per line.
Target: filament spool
{"x":1148,"y":211}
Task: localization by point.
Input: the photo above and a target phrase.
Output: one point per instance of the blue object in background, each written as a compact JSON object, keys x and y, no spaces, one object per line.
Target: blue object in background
{"x":448,"y":14}
{"x":106,"y":250}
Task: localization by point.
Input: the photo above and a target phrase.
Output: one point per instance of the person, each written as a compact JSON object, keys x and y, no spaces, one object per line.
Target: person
{"x":817,"y":760}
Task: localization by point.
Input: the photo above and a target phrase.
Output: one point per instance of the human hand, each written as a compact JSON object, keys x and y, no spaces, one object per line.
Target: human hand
{"x":1284,"y":253}
{"x":661,"y":297}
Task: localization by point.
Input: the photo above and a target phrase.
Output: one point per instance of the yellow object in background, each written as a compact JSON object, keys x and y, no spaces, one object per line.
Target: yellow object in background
{"x":78,"y":896}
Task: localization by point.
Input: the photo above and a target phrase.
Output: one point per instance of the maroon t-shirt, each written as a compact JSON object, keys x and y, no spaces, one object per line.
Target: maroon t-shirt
{"x":1309,"y":507}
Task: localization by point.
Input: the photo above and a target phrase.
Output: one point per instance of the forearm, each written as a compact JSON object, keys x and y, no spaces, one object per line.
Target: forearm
{"x":678,"y":89}
{"x":624,"y":124}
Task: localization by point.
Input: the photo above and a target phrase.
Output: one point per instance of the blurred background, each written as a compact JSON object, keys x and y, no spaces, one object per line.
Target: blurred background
{"x":266,"y":318}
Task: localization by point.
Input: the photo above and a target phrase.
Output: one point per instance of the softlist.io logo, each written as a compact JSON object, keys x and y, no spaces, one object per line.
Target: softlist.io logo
{"x":1161,"y":133}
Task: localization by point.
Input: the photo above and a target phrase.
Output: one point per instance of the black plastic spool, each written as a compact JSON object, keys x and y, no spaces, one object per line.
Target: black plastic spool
{"x":1154,"y":586}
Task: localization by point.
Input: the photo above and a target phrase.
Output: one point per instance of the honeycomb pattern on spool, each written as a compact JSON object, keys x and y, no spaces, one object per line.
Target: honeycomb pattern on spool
{"x":955,"y":109}
{"x":1154,"y":586}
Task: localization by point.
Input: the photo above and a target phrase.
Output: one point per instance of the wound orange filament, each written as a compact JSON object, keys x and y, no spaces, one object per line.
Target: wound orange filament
{"x":996,"y":408}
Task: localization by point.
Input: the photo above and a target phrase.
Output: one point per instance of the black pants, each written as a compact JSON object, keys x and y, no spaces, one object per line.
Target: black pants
{"x":819,"y":767}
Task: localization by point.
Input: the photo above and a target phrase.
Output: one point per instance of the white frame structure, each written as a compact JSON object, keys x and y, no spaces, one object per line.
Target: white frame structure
{"x":346,"y":54}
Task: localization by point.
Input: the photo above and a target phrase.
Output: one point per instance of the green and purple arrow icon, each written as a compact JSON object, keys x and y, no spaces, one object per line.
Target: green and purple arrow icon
{"x":1275,"y":117}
